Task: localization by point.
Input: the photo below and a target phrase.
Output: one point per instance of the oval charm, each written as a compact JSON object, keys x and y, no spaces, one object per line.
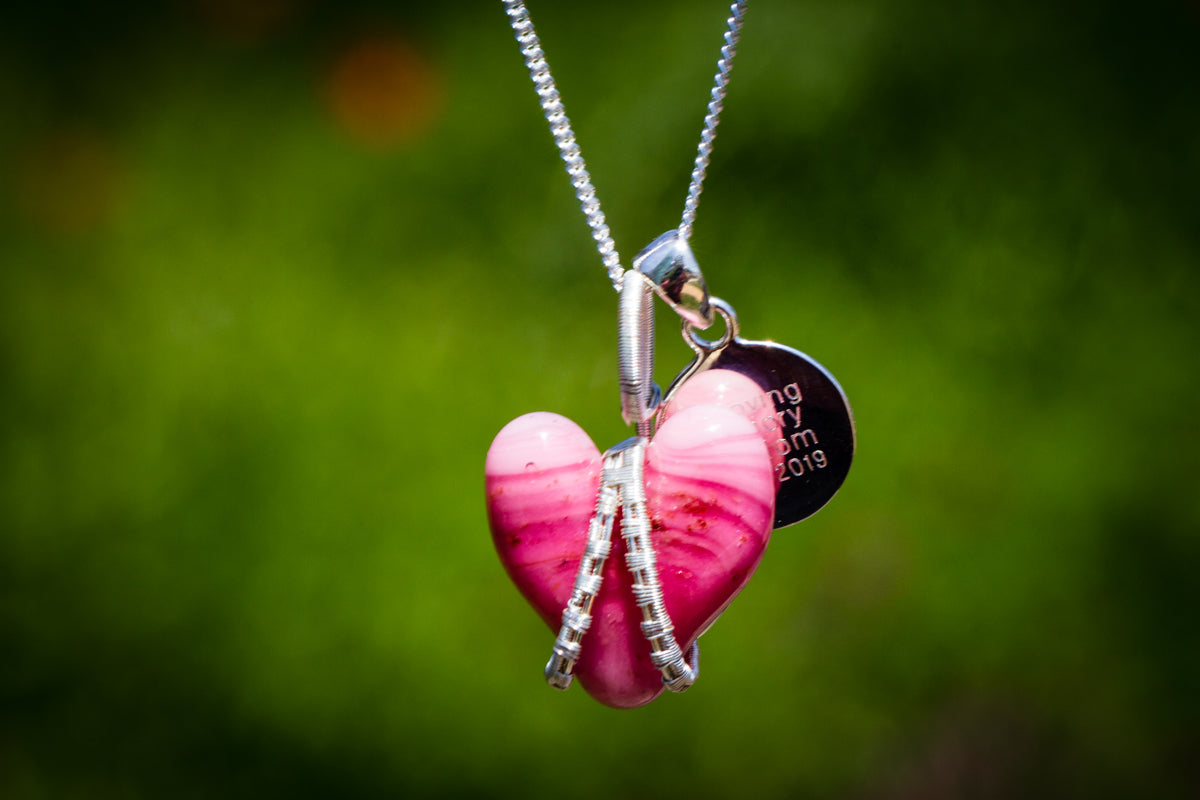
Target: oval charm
{"x":811,"y":426}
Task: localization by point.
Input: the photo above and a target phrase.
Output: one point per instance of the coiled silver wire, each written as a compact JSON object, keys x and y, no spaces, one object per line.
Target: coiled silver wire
{"x":622,"y":485}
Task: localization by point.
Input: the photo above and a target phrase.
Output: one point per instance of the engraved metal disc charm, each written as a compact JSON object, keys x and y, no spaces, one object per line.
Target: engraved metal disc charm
{"x":811,"y":420}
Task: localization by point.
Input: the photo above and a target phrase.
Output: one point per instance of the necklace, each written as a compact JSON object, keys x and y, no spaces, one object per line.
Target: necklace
{"x":749,"y":437}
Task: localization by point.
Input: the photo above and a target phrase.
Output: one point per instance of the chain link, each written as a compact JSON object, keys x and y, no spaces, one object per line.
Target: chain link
{"x":720,"y":85}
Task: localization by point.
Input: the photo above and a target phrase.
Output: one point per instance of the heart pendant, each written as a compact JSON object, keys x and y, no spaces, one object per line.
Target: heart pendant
{"x":710,"y":488}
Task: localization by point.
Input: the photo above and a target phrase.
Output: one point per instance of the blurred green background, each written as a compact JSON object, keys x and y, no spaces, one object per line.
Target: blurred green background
{"x":273,"y":273}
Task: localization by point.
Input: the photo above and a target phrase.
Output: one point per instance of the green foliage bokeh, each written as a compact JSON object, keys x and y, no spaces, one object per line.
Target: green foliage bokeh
{"x":252,"y":359}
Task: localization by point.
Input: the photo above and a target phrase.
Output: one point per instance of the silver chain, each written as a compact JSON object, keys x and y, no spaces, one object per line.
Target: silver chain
{"x":564,"y":136}
{"x":715,"y":105}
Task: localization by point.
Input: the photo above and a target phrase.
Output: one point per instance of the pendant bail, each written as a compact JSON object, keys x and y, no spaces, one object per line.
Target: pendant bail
{"x":676,"y":277}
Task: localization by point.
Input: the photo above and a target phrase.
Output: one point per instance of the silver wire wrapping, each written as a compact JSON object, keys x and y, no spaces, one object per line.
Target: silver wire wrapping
{"x":622,"y":484}
{"x":709,"y":133}
{"x":577,"y":616}
{"x":635,"y":352}
{"x":647,"y":590}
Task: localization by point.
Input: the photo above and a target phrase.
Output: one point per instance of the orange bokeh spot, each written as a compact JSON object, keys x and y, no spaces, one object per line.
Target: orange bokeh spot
{"x":382,"y":93}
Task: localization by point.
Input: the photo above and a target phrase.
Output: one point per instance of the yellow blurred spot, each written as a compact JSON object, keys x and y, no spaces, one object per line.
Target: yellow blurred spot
{"x":382,"y":93}
{"x":70,"y":182}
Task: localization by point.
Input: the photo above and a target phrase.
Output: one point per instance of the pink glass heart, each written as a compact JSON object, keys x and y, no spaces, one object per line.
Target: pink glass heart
{"x":734,"y":391}
{"x":710,"y":491}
